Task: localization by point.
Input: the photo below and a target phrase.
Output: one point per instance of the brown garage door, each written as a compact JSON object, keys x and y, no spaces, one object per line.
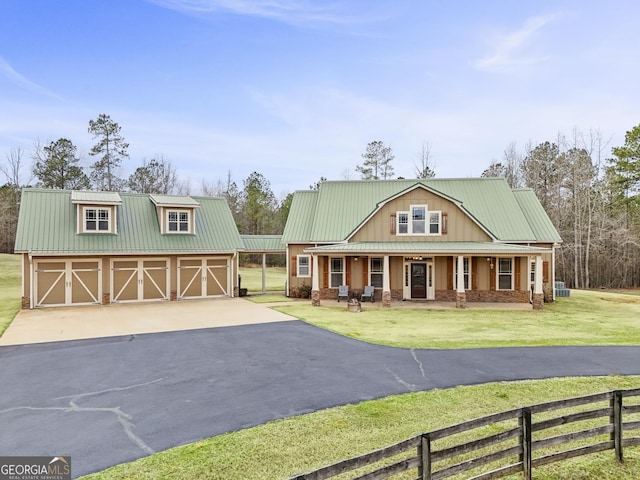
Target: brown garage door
{"x":203,"y":277}
{"x":139,"y":279}
{"x":67,"y":282}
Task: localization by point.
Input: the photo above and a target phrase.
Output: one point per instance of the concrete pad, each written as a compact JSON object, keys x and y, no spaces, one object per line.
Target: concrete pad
{"x":72,"y":323}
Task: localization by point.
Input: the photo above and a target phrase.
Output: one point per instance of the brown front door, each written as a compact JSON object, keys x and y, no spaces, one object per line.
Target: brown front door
{"x":418,"y":280}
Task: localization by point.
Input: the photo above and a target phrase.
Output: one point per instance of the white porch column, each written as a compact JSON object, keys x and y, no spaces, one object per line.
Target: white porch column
{"x":538,"y":295}
{"x":264,"y":273}
{"x":315,"y":281}
{"x":461,"y":296}
{"x":386,"y":282}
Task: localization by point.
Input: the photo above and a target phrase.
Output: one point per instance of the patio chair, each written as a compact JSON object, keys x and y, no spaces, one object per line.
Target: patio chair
{"x":369,"y":292}
{"x":343,"y":291}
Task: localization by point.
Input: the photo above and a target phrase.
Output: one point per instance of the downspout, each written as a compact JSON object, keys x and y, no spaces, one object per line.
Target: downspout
{"x":286,"y":265}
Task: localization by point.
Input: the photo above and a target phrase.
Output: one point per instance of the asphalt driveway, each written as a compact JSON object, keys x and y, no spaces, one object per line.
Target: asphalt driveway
{"x":111,"y":400}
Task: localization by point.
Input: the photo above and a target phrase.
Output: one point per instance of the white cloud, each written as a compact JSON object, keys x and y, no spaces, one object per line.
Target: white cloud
{"x":294,"y":12}
{"x":512,"y":51}
{"x":12,"y":75}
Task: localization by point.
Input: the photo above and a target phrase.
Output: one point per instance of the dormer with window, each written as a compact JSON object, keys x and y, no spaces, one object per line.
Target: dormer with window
{"x":419,"y":220}
{"x":96,"y":212}
{"x":176,"y":214}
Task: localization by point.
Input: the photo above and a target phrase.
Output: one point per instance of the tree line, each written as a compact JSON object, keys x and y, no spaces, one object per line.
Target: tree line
{"x":590,"y":191}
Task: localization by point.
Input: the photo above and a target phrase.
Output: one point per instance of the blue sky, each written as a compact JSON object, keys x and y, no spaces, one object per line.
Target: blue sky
{"x":296,"y":89}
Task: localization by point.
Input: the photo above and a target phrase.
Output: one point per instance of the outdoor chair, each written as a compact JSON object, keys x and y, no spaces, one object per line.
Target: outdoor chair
{"x":343,"y":291}
{"x":369,"y":292}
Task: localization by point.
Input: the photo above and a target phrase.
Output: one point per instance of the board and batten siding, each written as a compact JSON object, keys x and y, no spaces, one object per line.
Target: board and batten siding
{"x":459,"y":226}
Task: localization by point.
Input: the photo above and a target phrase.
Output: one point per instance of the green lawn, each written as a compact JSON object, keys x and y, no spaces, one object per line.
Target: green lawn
{"x":280,"y":449}
{"x":275,"y":278}
{"x":9,"y":289}
{"x":585,"y":318}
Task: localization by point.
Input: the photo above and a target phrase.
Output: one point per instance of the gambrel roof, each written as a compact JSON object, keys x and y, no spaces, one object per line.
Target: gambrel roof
{"x":48,"y":219}
{"x":337,"y":209}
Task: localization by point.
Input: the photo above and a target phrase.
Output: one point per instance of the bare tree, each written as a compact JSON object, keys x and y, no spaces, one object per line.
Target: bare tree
{"x":425,"y":168}
{"x":14,"y":168}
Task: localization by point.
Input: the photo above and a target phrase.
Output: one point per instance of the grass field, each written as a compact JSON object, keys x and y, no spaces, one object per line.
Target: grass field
{"x":275,"y":278}
{"x":9,"y":289}
{"x":585,"y":318}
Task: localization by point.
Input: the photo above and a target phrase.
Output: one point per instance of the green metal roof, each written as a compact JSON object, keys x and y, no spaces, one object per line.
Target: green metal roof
{"x":47,"y":226}
{"x":107,"y":198}
{"x":536,"y":216}
{"x":173,"y":200}
{"x":301,"y":216}
{"x":338,"y":208}
{"x":263,"y":243}
{"x":431,"y":248}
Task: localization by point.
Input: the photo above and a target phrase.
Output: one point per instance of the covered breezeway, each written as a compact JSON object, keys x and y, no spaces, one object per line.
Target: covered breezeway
{"x":264,"y":245}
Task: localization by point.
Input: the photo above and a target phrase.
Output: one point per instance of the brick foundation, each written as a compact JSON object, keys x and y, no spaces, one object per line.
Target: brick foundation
{"x":173,"y":295}
{"x":538,"y":301}
{"x":106,"y":298}
{"x":315,"y":298}
{"x":26,"y":303}
{"x":461,"y":300}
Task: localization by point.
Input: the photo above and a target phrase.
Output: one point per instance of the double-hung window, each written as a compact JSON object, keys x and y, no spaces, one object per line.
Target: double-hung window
{"x":336,"y":272}
{"x":419,"y":221}
{"x":376,"y":272}
{"x":97,"y":220}
{"x":178,"y":221}
{"x":467,"y":272}
{"x":505,"y":274}
{"x":304,"y":266}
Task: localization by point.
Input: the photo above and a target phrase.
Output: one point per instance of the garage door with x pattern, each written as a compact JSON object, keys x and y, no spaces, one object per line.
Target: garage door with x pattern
{"x":67,"y":282}
{"x":139,"y":279}
{"x":203,"y":277}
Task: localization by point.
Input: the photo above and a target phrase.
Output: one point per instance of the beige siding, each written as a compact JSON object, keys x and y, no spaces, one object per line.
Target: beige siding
{"x":460,"y":227}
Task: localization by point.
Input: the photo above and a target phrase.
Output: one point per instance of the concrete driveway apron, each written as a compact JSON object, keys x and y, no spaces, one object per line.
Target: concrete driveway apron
{"x":111,"y":400}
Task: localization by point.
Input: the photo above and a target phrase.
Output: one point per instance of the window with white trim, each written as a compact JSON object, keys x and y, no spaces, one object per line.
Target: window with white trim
{"x":178,"y":221}
{"x":304,"y":266}
{"x":467,"y":272}
{"x":505,"y":273}
{"x":419,"y":221}
{"x":336,"y":272}
{"x":97,"y":219}
{"x":376,"y":272}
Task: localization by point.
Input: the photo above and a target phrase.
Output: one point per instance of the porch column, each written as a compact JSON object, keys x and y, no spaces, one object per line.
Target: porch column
{"x":538,"y":295}
{"x":461,"y":296}
{"x":315,"y":282}
{"x":386,"y":282}
{"x":264,"y":273}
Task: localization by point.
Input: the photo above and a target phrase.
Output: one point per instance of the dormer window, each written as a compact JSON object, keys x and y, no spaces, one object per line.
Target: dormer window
{"x":97,"y":220}
{"x":178,"y":221}
{"x":97,"y":212}
{"x":176,"y":214}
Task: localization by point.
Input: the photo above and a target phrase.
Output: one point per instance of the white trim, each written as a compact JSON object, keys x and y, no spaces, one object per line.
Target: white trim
{"x":331,"y":271}
{"x":512,"y":273}
{"x":190,"y":221}
{"x":98,"y":208}
{"x":308,"y":257}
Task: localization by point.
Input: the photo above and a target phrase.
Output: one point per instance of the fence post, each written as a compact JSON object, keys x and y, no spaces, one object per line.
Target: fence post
{"x":617,"y":424}
{"x":425,"y":456}
{"x":525,"y":457}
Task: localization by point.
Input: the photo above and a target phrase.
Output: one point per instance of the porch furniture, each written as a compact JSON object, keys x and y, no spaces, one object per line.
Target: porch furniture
{"x":369,"y":292}
{"x":343,"y":291}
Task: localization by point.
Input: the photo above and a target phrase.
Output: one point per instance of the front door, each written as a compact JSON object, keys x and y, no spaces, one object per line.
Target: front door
{"x":419,"y":280}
